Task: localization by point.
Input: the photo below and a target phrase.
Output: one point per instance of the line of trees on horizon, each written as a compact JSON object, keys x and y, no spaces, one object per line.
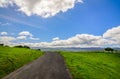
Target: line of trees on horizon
{"x":19,"y":46}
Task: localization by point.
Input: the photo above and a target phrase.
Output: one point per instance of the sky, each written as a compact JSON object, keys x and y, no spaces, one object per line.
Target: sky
{"x":60,"y":23}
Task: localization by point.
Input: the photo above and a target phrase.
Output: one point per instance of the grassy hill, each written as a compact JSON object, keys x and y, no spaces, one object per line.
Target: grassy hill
{"x":82,"y":65}
{"x":93,"y":65}
{"x":13,"y":58}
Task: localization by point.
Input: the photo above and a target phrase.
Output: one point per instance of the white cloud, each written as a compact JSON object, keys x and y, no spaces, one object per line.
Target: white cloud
{"x":12,"y":40}
{"x":55,"y":39}
{"x":75,"y":40}
{"x":6,"y":39}
{"x":3,"y":33}
{"x":5,"y":3}
{"x":21,"y":37}
{"x":34,"y":38}
{"x":113,"y":34}
{"x":44,"y":8}
{"x":25,"y":33}
{"x":78,"y":40}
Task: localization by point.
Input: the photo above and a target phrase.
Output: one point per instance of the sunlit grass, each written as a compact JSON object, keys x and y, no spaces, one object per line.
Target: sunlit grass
{"x":13,"y":58}
{"x":94,"y":65}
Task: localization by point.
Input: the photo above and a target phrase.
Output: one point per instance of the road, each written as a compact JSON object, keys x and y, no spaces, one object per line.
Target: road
{"x":49,"y":66}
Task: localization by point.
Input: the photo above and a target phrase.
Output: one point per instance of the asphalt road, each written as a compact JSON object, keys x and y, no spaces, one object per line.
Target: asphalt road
{"x":50,"y":66}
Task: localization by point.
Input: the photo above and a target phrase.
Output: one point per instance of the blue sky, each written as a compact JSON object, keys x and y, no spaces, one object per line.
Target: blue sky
{"x":90,"y":17}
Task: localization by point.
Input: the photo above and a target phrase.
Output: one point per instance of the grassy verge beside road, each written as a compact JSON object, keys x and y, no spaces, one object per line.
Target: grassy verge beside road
{"x":93,"y":65}
{"x":13,"y":58}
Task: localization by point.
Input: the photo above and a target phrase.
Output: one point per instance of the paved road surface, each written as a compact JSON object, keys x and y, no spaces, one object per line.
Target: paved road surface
{"x":49,"y":66}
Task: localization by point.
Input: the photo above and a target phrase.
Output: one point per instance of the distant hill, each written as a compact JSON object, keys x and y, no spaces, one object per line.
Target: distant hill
{"x":73,"y":49}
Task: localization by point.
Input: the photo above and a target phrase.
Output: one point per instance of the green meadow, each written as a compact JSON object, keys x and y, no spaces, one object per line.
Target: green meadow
{"x":93,"y":65}
{"x":82,"y":65}
{"x":13,"y":58}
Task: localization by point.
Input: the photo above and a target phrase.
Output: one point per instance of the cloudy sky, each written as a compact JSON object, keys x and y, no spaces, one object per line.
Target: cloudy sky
{"x":60,"y":23}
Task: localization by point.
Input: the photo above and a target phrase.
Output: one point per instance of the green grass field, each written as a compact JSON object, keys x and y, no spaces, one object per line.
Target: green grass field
{"x":83,"y":65}
{"x":13,"y":58}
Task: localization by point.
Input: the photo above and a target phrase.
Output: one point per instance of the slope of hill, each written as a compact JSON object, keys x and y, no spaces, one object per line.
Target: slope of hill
{"x":13,"y":58}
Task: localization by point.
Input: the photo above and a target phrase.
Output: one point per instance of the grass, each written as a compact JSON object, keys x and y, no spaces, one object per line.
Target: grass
{"x":13,"y":58}
{"x":93,"y":65}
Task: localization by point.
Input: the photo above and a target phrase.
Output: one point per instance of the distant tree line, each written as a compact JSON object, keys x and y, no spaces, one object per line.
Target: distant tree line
{"x":17,"y":46}
{"x":1,"y":44}
{"x":109,"y":49}
{"x":4,"y":45}
{"x":20,"y":46}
